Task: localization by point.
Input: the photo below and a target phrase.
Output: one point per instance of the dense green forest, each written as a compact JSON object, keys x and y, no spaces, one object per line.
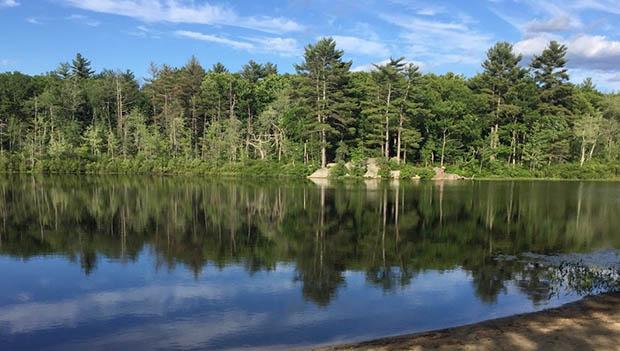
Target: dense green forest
{"x":510,"y":119}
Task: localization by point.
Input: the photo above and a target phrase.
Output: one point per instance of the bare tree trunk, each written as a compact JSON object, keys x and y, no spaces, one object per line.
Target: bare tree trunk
{"x":514,"y":147}
{"x":248,"y":131}
{"x":323,"y":133}
{"x":583,"y":152}
{"x":401,"y":121}
{"x":495,"y":132}
{"x":398,"y":141}
{"x":194,"y":127}
{"x":305,"y":152}
{"x":443,"y":147}
{"x":120,"y":122}
{"x":387,"y":123}
{"x":591,"y":151}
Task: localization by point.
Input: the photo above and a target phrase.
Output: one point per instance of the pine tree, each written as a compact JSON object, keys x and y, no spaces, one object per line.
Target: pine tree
{"x":218,"y":67}
{"x":552,"y":77}
{"x":501,"y":83}
{"x":556,"y":94}
{"x":324,"y":89}
{"x":80,"y":67}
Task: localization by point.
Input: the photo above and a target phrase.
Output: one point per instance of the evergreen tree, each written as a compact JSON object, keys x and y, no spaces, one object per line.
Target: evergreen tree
{"x":218,"y":67}
{"x":80,"y":67}
{"x":502,"y":83}
{"x":556,"y":94}
{"x":323,"y":89}
{"x":552,"y":77}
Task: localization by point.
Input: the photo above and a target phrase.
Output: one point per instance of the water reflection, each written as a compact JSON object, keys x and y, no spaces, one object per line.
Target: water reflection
{"x":269,"y":258}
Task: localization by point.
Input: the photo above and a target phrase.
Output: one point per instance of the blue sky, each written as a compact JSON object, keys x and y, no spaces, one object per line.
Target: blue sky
{"x":441,"y":36}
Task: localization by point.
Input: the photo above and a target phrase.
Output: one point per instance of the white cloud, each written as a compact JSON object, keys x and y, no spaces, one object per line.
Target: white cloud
{"x":556,"y":24}
{"x":85,"y":20}
{"x":361,"y":46}
{"x":33,"y":20}
{"x":5,"y":62}
{"x":533,"y":45}
{"x":185,"y":12}
{"x":420,"y":9}
{"x":609,"y":6}
{"x":596,"y":52}
{"x":8,"y":3}
{"x":144,"y":32}
{"x":365,"y":30}
{"x":215,"y":39}
{"x":441,"y":42}
{"x":584,"y":51}
{"x":606,"y":81}
{"x":566,"y":21}
{"x":281,"y":46}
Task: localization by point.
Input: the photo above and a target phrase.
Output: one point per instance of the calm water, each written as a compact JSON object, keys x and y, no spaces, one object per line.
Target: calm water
{"x":189,"y":263}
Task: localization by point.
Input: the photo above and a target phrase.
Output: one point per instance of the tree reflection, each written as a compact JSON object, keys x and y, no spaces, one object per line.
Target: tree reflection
{"x":390,"y":231}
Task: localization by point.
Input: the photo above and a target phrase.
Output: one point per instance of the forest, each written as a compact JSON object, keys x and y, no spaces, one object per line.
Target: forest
{"x":513,"y":119}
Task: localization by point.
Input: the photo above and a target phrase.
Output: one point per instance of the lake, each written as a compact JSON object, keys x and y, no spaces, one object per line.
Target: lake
{"x":141,"y":263}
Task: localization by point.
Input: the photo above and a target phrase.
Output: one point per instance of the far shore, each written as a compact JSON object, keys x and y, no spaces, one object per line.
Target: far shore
{"x":592,"y":323}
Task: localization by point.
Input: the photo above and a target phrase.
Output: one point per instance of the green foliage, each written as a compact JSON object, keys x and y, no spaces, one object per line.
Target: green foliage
{"x":339,"y":170}
{"x":408,"y":171}
{"x":504,"y":122}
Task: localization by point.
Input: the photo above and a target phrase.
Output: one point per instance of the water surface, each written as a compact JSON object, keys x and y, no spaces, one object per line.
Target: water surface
{"x":192,"y":263}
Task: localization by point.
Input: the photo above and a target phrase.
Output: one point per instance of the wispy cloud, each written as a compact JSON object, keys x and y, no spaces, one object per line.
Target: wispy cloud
{"x":186,"y":12}
{"x":439,"y":41}
{"x":281,"y":46}
{"x":608,"y":6}
{"x":589,"y":52}
{"x":85,"y":20}
{"x":215,"y":39}
{"x":275,"y":45}
{"x":420,"y":8}
{"x":561,"y":23}
{"x":8,"y":3}
{"x":5,"y":62}
{"x":361,"y":46}
{"x":144,"y":32}
{"x":33,"y":20}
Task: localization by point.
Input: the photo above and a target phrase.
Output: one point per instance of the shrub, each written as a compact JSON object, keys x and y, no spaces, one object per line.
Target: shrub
{"x":338,"y":171}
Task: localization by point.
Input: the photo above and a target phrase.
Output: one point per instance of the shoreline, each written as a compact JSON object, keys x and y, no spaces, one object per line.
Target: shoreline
{"x":592,"y":323}
{"x":302,"y":177}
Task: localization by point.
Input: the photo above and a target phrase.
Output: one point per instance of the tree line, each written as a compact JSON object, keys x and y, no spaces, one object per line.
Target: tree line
{"x":508,"y":116}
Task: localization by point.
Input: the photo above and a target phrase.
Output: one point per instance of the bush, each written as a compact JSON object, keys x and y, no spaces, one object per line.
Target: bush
{"x":385,"y":166}
{"x":339,"y":170}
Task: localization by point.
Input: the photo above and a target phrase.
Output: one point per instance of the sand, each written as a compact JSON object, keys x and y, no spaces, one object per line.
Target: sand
{"x":592,"y":323}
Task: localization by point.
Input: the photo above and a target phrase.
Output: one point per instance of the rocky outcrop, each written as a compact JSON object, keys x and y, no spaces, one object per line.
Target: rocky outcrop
{"x":320,"y":173}
{"x":372,"y":169}
{"x":440,"y":174}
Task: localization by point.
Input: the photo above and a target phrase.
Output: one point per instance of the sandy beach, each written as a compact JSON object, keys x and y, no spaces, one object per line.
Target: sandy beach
{"x":592,"y":323}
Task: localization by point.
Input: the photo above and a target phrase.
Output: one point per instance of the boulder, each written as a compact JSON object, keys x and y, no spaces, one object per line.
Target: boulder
{"x":395,"y":174}
{"x":372,"y":169}
{"x":320,"y":173}
{"x":440,"y":174}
